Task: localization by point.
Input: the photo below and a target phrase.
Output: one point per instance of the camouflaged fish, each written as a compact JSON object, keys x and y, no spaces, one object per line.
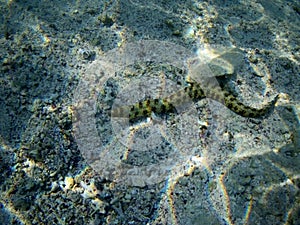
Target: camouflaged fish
{"x":194,"y":92}
{"x":191,"y":93}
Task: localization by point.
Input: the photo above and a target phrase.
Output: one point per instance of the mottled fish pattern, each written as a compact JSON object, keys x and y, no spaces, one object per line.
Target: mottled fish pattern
{"x":191,"y":93}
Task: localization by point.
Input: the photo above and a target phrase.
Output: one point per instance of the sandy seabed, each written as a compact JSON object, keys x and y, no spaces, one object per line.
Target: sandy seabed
{"x":66,"y":64}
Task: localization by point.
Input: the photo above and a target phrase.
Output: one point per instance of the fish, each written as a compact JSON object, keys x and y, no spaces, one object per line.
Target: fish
{"x":191,"y":93}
